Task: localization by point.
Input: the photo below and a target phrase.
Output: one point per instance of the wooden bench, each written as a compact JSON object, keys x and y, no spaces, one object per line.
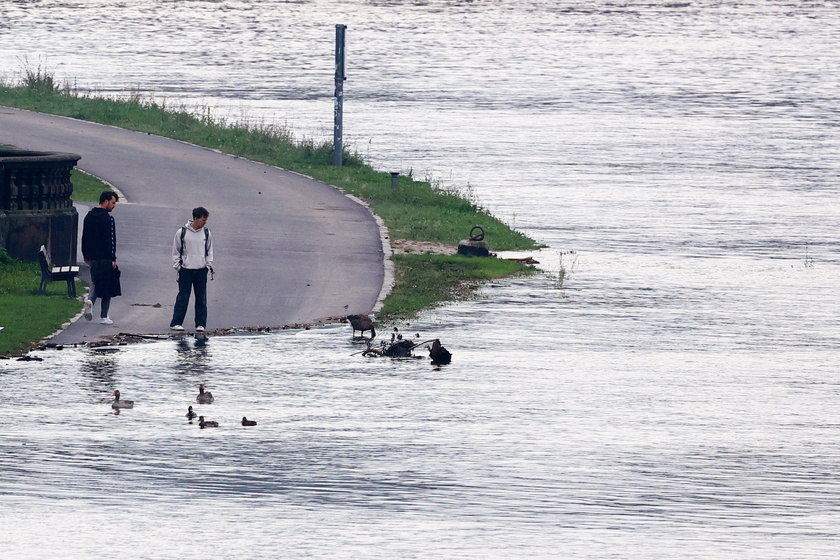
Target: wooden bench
{"x":50,"y":273}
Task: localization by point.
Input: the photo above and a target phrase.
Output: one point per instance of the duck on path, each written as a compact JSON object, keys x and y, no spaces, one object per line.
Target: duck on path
{"x":190,"y":414}
{"x":204,"y":397}
{"x":207,"y":423}
{"x":362,"y":323}
{"x":120,"y":403}
{"x":246,"y":422}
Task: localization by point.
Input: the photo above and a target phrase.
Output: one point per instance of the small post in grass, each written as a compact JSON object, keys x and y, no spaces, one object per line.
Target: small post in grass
{"x":338,"y":141}
{"x":395,"y":176}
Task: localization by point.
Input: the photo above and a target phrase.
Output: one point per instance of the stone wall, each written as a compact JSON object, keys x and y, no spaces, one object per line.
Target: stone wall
{"x":35,"y":205}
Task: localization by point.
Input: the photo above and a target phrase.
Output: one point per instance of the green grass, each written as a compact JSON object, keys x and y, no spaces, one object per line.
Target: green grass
{"x":86,"y":188}
{"x":28,"y":317}
{"x":418,"y":210}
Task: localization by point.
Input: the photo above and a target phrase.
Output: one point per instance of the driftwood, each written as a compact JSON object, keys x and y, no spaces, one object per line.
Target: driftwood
{"x":400,"y":348}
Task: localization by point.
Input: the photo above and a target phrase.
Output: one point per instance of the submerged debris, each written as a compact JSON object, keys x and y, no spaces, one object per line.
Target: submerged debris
{"x":28,"y":358}
{"x":526,"y":260}
{"x":398,"y":347}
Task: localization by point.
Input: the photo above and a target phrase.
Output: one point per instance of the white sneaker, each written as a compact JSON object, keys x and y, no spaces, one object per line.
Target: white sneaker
{"x":199,"y":329}
{"x":106,"y":321}
{"x":176,"y":328}
{"x":87,"y":310}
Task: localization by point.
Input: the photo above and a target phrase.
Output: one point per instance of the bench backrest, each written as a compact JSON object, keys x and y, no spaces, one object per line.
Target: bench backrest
{"x":44,"y":260}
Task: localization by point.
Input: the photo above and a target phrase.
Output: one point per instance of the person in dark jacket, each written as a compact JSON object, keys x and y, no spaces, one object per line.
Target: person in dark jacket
{"x":99,"y":249}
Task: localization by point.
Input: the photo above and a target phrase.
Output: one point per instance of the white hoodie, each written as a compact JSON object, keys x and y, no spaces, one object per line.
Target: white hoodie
{"x":194,"y":249}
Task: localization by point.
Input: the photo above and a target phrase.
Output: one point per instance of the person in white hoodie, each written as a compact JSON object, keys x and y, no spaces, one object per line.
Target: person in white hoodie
{"x":192,"y":257}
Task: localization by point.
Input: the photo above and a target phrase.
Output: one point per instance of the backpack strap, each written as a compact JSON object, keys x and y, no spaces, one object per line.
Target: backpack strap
{"x":181,"y":248}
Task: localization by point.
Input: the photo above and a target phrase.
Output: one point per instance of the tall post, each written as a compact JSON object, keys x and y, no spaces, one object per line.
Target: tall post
{"x":338,"y":130}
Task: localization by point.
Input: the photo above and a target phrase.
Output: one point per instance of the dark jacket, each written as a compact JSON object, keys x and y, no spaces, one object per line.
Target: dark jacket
{"x":99,"y":236}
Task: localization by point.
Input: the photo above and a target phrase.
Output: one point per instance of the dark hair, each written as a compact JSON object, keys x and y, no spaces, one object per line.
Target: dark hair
{"x":200,"y":212}
{"x":108,"y":195}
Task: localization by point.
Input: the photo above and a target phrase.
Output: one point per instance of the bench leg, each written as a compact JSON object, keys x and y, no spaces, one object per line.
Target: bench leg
{"x":42,"y":289}
{"x":71,"y":288}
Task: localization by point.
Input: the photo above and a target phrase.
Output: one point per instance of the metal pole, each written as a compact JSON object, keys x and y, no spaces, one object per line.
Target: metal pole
{"x":338,"y":130}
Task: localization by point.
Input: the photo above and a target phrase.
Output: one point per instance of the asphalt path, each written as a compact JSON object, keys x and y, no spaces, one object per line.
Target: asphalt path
{"x":288,"y":250}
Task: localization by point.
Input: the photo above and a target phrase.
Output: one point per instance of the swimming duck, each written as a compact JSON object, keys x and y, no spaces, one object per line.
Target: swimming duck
{"x":246,"y":422}
{"x":190,"y":414}
{"x":208,"y":423}
{"x":203,"y":397}
{"x":120,"y":403}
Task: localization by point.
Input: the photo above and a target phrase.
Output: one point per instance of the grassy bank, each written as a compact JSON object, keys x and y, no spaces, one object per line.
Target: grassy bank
{"x":417,"y":211}
{"x":86,"y":188}
{"x":425,"y":280}
{"x":26,"y":316}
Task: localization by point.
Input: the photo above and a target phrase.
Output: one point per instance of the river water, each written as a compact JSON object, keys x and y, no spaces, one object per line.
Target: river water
{"x":667,"y":388}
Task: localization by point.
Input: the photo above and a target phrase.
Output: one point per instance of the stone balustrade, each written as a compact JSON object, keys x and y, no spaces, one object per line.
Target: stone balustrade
{"x":35,"y":205}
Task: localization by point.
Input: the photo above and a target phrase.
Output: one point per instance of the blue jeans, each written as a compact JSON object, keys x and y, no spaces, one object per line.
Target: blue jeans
{"x":195,"y":280}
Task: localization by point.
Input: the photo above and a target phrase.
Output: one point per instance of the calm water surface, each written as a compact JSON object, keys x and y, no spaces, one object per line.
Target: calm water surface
{"x":666,"y":388}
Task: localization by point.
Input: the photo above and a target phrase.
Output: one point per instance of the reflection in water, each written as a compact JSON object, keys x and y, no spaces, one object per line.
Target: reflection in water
{"x":99,"y":371}
{"x":193,"y":357}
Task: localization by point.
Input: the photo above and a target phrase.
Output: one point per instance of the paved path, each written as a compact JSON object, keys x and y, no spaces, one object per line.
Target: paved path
{"x":288,"y":249}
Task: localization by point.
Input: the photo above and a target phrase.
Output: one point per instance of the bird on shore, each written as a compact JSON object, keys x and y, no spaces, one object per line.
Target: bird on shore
{"x":207,"y":423}
{"x":120,"y":403}
{"x":204,"y":397}
{"x":362,"y":323}
{"x":246,"y":422}
{"x":190,"y":414}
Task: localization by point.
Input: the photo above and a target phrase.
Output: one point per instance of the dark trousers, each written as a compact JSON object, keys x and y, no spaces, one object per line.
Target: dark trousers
{"x":98,"y":269}
{"x":191,"y":280}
